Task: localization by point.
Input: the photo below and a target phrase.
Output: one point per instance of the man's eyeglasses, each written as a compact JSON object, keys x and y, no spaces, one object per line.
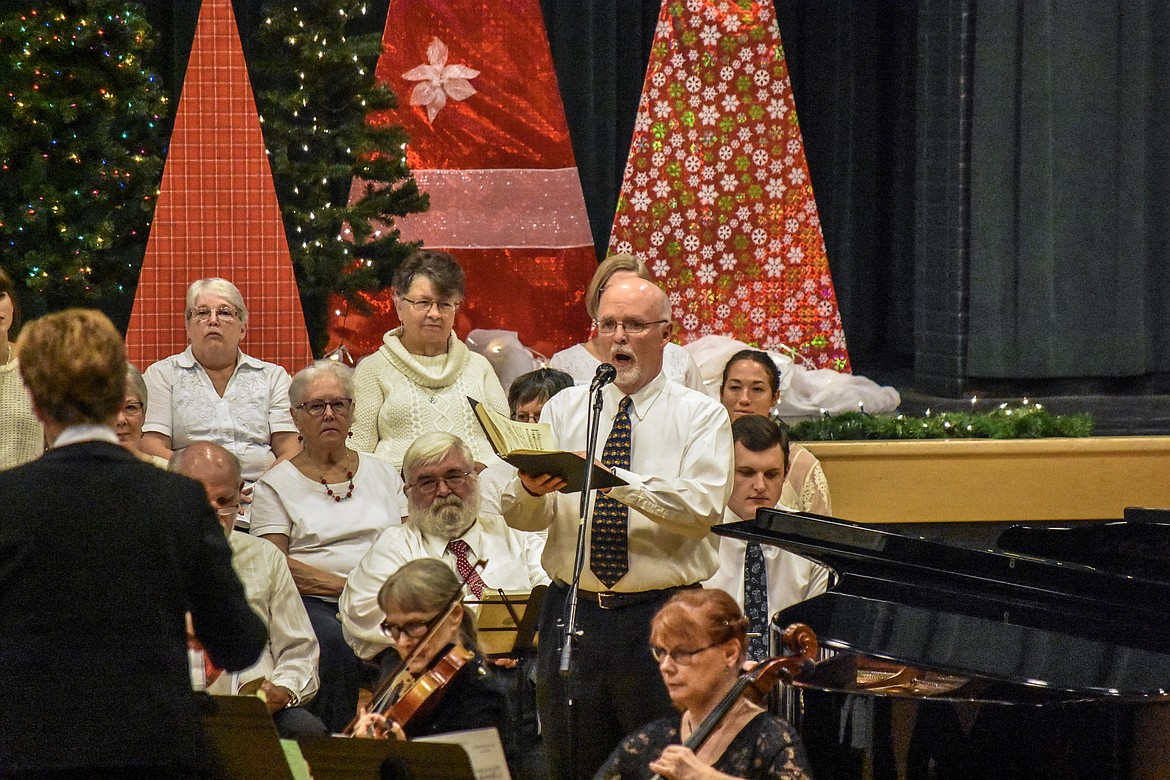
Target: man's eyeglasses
{"x":228,"y":511}
{"x":223,"y":314}
{"x":525,"y":417}
{"x":132,"y":408}
{"x":680,"y":657}
{"x":415,"y":629}
{"x":631,"y":327}
{"x":424,"y":306}
{"x":340,"y":407}
{"x":454,"y":479}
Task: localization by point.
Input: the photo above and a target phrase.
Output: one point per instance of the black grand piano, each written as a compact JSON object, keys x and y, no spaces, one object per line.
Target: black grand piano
{"x":1040,"y":656}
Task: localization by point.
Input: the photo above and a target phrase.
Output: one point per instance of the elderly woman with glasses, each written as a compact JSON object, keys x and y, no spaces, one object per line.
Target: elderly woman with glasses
{"x":699,"y":639}
{"x":581,"y":360}
{"x":415,"y":600}
{"x":214,"y":392}
{"x":128,"y":424}
{"x":323,"y":509}
{"x":419,"y":380}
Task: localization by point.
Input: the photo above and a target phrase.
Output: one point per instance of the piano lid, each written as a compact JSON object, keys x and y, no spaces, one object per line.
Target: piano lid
{"x":976,"y":613}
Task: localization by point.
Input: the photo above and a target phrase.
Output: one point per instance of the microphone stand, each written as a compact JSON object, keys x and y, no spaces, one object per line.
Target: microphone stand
{"x":570,"y":633}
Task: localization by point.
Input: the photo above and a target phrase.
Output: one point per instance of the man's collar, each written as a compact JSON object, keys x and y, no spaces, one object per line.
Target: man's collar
{"x":643,"y":398}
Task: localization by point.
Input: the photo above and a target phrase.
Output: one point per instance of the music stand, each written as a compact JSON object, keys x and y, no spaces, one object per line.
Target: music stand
{"x":244,"y":738}
{"x":352,"y":758}
{"x":508,"y":622}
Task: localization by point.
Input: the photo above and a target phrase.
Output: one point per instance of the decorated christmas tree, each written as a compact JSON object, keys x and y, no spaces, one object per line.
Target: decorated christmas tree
{"x":81,"y":148}
{"x":313,"y":70}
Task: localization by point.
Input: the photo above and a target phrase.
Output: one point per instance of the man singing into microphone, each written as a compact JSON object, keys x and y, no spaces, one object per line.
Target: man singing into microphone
{"x":650,"y":538}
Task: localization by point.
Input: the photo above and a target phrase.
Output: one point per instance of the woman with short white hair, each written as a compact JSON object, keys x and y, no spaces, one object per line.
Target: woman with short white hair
{"x":212,"y":391}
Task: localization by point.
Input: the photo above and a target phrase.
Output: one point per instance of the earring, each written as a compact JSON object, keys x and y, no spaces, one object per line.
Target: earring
{"x":300,"y":438}
{"x":349,"y":435}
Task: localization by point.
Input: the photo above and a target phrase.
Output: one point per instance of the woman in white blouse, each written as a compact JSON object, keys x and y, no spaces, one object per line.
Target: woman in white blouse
{"x":21,"y":437}
{"x":323,"y":509}
{"x":581,"y":360}
{"x":419,"y":380}
{"x":214,"y":392}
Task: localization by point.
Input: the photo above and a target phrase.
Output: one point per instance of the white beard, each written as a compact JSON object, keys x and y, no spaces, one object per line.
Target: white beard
{"x":448,"y":517}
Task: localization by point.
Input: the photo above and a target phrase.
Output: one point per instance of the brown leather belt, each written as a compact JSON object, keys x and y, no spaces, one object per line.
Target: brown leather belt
{"x":608,"y":599}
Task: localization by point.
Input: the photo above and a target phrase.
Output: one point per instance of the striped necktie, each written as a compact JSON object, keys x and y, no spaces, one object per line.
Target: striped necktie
{"x":609,"y":543}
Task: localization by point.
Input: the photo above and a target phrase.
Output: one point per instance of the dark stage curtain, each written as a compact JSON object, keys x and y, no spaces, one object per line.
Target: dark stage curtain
{"x":1070,"y":214}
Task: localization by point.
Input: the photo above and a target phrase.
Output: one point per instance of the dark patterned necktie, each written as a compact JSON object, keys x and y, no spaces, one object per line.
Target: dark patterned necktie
{"x":467,"y":573}
{"x":755,"y":600}
{"x":609,"y":544}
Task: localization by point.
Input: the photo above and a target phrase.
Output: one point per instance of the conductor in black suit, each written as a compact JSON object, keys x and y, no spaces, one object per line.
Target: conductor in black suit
{"x":101,"y":557}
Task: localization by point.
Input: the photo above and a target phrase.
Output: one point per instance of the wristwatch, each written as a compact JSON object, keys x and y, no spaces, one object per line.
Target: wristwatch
{"x":293,"y":699}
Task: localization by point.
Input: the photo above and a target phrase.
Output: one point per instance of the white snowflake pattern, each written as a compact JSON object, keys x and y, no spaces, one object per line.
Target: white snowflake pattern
{"x":796,"y":256}
{"x":731,"y":24}
{"x":658,"y":79}
{"x":693,"y":164}
{"x":707,"y":195}
{"x":707,"y":252}
{"x":723,"y":311}
{"x":691,"y":242}
{"x":774,"y":267}
{"x":728,"y":182}
{"x":726,"y":152}
{"x":640,"y":201}
{"x":837,"y":339}
{"x":730,"y":104}
{"x":790,"y":305}
{"x":690,"y":322}
{"x":759,"y":236}
{"x":675,"y":219}
{"x":624,"y":247}
{"x":706,"y":273}
{"x":640,"y":178}
{"x":742,"y":213}
{"x":776,"y":108}
{"x":656,"y":238}
{"x":694,"y":84}
{"x":710,"y":35}
{"x":661,"y":269}
{"x":662,"y":109}
{"x":726,"y":74}
{"x":658,"y":159}
{"x":662,"y":188}
{"x":791,"y":225}
{"x":775,"y":188}
{"x":642,"y":123}
{"x":809,"y":286}
{"x":759,"y":157}
{"x":724,"y":232}
{"x":744,"y":133}
{"x":824,"y":309}
{"x":793,"y":334}
{"x":757,"y":315}
{"x":709,"y":94}
{"x":761,"y":77}
{"x":708,"y":115}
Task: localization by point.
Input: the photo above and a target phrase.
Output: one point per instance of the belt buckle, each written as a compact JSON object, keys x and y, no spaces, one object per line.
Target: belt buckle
{"x":601,"y":599}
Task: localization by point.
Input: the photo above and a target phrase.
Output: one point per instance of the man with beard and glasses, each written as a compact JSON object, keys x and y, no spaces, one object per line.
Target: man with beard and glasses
{"x":444,"y":521}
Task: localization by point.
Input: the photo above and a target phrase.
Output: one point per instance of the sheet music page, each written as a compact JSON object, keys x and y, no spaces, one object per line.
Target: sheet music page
{"x":483,"y":747}
{"x":521,"y":436}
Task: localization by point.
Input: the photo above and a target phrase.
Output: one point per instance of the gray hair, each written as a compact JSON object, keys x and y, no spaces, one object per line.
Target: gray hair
{"x":431,"y":448}
{"x":307,"y":375}
{"x":217,"y":286}
{"x":135,"y":383}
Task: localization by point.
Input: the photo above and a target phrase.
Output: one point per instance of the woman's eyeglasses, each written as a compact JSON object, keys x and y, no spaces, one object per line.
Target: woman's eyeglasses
{"x":415,"y":629}
{"x":424,"y":306}
{"x":680,"y":657}
{"x":341,"y":406}
{"x":223,"y":314}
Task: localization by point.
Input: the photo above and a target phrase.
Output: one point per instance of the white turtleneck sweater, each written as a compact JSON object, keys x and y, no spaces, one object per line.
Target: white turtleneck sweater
{"x":21,"y":436}
{"x":399,"y":396}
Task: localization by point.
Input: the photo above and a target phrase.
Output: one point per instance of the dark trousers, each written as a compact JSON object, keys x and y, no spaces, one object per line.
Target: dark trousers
{"x":340,"y":669}
{"x":615,"y":683}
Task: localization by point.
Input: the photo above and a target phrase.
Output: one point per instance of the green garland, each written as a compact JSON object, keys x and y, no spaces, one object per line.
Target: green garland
{"x":1005,"y":422}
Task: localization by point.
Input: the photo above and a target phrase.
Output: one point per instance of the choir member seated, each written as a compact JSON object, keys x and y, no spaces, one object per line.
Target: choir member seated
{"x":128,"y":425}
{"x":445,"y":523}
{"x":323,"y":509}
{"x":699,"y":639}
{"x":751,"y":385}
{"x":212,"y":391}
{"x":287,"y":670}
{"x":419,"y":380}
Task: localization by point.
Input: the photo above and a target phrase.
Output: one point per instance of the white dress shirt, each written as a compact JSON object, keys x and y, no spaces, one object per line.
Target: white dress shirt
{"x":290,"y":659}
{"x":791,"y":579}
{"x":679,"y":479}
{"x":511,"y":563}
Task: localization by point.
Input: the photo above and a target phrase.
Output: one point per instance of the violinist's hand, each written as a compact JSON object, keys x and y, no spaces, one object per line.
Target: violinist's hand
{"x":679,"y":763}
{"x":542,"y":484}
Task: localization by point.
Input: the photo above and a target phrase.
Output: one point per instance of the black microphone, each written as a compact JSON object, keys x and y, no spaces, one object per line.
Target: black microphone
{"x":605,"y":374}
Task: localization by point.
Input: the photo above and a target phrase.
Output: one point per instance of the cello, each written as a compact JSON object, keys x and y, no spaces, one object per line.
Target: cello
{"x":758,"y":681}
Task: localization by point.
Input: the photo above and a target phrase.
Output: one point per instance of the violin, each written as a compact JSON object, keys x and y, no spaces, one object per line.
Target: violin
{"x":756,"y":683}
{"x":399,"y":706}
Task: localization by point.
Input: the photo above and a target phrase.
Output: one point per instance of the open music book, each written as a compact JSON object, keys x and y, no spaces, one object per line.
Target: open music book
{"x":528,"y":447}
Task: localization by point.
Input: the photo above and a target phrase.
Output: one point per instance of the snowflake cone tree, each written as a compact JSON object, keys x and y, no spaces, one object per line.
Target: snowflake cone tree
{"x":313,"y":69}
{"x":81,"y":149}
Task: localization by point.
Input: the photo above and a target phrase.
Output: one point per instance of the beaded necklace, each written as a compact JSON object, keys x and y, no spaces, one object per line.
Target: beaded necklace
{"x":328,"y":490}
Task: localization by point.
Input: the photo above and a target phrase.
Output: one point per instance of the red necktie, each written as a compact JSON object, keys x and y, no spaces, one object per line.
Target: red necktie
{"x":459,"y":549}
